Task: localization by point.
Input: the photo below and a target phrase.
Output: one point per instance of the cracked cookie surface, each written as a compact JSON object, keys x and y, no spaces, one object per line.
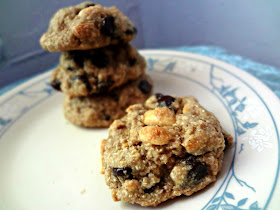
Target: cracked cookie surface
{"x":87,"y":26}
{"x":168,"y":147}
{"x":100,"y":110}
{"x":82,"y":73}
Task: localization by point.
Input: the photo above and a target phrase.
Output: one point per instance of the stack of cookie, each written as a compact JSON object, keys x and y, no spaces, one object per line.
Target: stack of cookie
{"x":99,"y":71}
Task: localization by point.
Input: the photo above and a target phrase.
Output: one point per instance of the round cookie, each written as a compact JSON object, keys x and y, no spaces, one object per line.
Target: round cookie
{"x":170,"y":146}
{"x":82,"y":73}
{"x":100,"y":110}
{"x":87,"y":26}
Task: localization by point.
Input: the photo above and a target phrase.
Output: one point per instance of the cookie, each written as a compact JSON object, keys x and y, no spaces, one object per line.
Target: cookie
{"x":82,"y":73}
{"x":87,"y":26}
{"x":168,"y":147}
{"x":100,"y":110}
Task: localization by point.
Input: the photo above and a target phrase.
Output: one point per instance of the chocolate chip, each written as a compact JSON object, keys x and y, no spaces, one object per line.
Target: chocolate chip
{"x":144,"y":86}
{"x":150,"y":190}
{"x":83,"y":98}
{"x":191,"y":160}
{"x":56,"y":84}
{"x":114,"y":96}
{"x":78,"y":57}
{"x":124,"y":172}
{"x":165,"y":100}
{"x":108,"y":26}
{"x":99,"y":59}
{"x":116,"y":48}
{"x":132,"y":61}
{"x":84,"y":79}
{"x":158,"y":95}
{"x":139,"y":143}
{"x":121,"y":127}
{"x":128,"y":32}
{"x":131,"y":31}
{"x":198,"y":172}
{"x":89,"y":5}
{"x":107,"y":117}
{"x":70,"y":68}
{"x":226,"y":141}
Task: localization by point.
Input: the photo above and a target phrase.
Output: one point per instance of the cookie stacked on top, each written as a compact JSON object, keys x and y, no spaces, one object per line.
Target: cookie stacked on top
{"x":99,"y":71}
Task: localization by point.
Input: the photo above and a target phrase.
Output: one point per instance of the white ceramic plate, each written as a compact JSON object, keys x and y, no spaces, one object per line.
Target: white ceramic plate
{"x":48,"y":163}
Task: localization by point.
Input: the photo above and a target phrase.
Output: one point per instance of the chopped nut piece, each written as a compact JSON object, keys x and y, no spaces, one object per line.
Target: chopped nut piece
{"x":179,"y":174}
{"x":154,"y":135}
{"x":186,"y":109}
{"x":131,"y":185}
{"x":161,"y":116}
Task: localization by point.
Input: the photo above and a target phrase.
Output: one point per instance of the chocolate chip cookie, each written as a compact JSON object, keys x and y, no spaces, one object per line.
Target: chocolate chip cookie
{"x":168,"y":147}
{"x":100,"y":110}
{"x":82,"y":73}
{"x":87,"y":26}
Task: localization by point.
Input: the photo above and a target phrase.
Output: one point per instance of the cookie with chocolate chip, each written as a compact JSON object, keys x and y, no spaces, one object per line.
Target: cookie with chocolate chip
{"x":100,"y":110}
{"x":82,"y":73}
{"x":168,"y":147}
{"x":87,"y":26}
